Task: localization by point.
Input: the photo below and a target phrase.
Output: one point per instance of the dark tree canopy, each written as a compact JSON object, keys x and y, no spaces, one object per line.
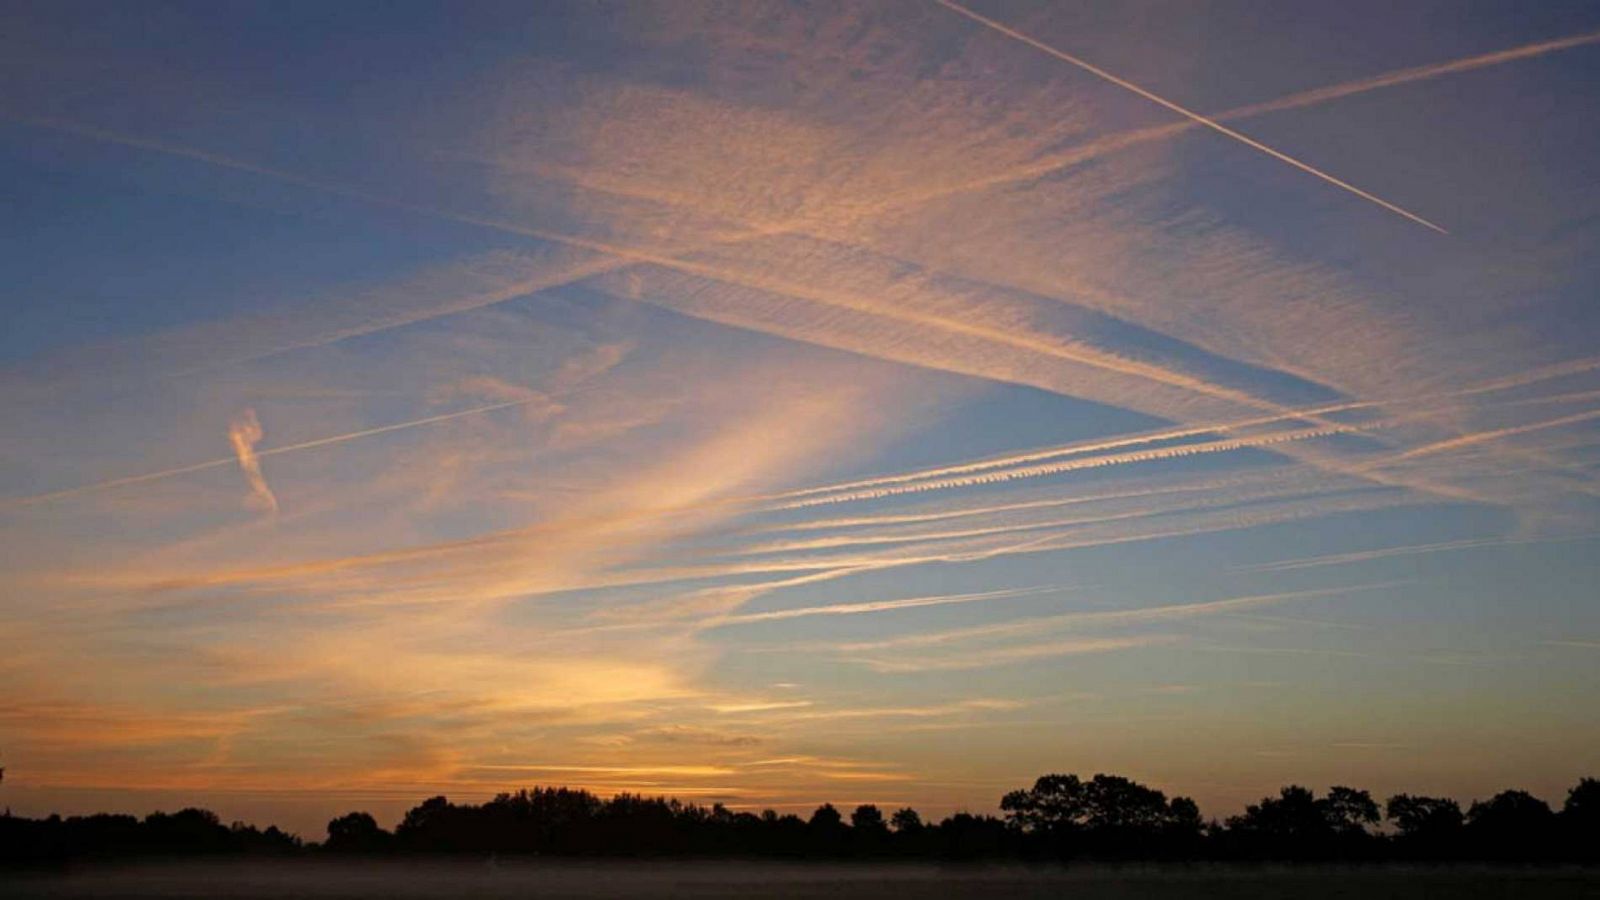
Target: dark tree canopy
{"x":1419,"y":817}
{"x":868,"y":818}
{"x":1060,"y":817}
{"x":906,"y":820}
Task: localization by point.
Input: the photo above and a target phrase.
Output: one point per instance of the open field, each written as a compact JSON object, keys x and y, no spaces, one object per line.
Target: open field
{"x":395,"y":881}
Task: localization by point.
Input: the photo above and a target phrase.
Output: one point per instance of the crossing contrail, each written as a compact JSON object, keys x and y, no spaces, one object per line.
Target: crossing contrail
{"x":1184,"y":111}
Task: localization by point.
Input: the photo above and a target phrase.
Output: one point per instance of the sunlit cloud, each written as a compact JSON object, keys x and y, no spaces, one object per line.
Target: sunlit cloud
{"x":244,"y":432}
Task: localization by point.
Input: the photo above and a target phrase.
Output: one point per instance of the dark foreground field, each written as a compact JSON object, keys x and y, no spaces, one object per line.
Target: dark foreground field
{"x":394,"y":881}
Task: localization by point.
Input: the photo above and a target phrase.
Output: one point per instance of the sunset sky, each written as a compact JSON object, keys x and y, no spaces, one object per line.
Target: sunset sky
{"x":774,"y":403}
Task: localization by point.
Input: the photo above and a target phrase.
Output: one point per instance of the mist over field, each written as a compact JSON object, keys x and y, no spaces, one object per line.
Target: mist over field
{"x":532,"y":879}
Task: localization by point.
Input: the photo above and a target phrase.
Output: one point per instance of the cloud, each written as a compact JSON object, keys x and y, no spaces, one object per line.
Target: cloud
{"x":244,"y":432}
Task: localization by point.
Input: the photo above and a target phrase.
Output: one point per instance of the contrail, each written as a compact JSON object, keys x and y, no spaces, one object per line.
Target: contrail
{"x":1108,"y":617}
{"x":1093,"y":462}
{"x":239,"y":459}
{"x":244,"y":432}
{"x":1075,"y":449}
{"x":1335,"y":559}
{"x":1416,"y":73}
{"x":1116,"y":142}
{"x":969,"y":511}
{"x":1523,"y":379}
{"x":1480,"y":437}
{"x":1294,"y":101}
{"x":846,"y":609}
{"x":1187,"y":113}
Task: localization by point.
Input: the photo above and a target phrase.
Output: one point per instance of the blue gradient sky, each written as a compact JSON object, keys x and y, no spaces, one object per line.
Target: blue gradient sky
{"x":769,"y":403}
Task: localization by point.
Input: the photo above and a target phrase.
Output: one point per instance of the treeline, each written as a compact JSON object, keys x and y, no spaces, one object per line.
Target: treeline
{"x":1062,"y":817}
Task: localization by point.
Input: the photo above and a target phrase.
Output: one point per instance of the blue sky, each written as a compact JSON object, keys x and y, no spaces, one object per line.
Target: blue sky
{"x":771,"y":404}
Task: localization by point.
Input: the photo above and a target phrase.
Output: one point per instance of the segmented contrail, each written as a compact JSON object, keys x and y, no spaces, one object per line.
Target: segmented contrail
{"x":1075,"y":449}
{"x":1187,"y":113}
{"x":1093,"y":462}
{"x":239,"y":459}
{"x":1522,"y":379}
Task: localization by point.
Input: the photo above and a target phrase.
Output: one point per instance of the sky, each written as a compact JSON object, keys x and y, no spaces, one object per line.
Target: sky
{"x":768,"y":403}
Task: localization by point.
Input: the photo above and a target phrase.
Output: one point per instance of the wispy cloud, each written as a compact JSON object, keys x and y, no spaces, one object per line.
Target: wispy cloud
{"x":1018,"y":653}
{"x":244,"y":432}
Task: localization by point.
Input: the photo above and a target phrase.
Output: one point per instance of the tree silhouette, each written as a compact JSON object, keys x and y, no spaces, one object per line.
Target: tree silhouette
{"x":1297,"y":823}
{"x":906,"y":820}
{"x":868,"y":818}
{"x":1061,"y":816}
{"x":1349,"y":812}
{"x":357,"y":832}
{"x":1106,"y":815}
{"x":1580,"y":819}
{"x":1426,"y":826}
{"x":826,"y":818}
{"x":1511,"y":825}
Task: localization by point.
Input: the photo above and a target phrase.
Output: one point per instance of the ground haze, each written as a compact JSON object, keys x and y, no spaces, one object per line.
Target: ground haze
{"x":710,"y":879}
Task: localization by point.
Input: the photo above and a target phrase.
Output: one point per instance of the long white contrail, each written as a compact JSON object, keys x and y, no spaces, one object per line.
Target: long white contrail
{"x":1479,"y":437}
{"x":873,"y":606}
{"x":1413,"y":74}
{"x":1184,"y":111}
{"x":237,"y":460}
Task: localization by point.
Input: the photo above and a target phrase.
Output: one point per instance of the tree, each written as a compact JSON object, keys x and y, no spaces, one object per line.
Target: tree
{"x":1107,"y":815}
{"x":1349,"y":811}
{"x":1297,"y":823}
{"x":1292,"y":815}
{"x":868,"y":818}
{"x":1424,"y":818}
{"x":1580,"y":819}
{"x":1511,"y":825}
{"x":1509,"y":811}
{"x":906,"y":821}
{"x":826,"y":818}
{"x":1183,"y":817}
{"x":1056,"y":802}
{"x":1105,"y":803}
{"x":1582,"y":804}
{"x":357,"y":832}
